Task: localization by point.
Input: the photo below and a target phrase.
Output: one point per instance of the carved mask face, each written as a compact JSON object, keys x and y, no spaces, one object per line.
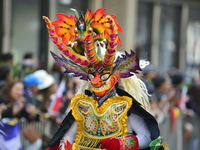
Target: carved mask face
{"x":101,"y":80}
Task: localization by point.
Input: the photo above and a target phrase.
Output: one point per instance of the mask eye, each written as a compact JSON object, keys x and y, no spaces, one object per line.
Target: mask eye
{"x":90,"y":76}
{"x":105,"y":76}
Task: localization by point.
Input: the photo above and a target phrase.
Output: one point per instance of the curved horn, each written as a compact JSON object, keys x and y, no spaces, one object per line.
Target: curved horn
{"x":67,"y":51}
{"x":112,"y":45}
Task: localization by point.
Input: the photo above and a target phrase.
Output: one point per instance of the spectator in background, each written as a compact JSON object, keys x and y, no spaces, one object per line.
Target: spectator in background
{"x":149,"y":74}
{"x":31,"y":83}
{"x":70,"y":90}
{"x":178,"y":105}
{"x":12,"y":97}
{"x":46,"y":90}
{"x":158,"y":98}
{"x":28,"y":65}
{"x":5,"y":75}
{"x":163,"y":92}
{"x":44,"y":101}
{"x":194,"y":99}
{"x":57,"y":72}
{"x":181,"y":89}
{"x":174,"y":109}
{"x":180,"y":98}
{"x":156,"y":111}
{"x":66,"y":99}
{"x":179,"y":101}
{"x":191,"y":137}
{"x":7,"y":58}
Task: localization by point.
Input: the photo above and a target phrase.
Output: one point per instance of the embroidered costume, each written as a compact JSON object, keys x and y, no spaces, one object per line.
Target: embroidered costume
{"x":106,"y":114}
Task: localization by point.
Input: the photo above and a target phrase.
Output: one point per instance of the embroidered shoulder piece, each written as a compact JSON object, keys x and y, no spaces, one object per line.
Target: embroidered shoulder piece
{"x":96,"y":123}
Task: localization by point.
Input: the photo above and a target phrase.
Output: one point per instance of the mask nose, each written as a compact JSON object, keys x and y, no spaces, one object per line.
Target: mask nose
{"x":96,"y":80}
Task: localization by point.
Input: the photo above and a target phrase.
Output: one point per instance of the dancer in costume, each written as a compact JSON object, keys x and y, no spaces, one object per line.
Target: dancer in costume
{"x":108,"y":112}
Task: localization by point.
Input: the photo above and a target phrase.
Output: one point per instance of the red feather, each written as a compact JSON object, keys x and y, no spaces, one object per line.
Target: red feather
{"x":55,"y":147}
{"x":68,"y":146}
{"x":110,"y":144}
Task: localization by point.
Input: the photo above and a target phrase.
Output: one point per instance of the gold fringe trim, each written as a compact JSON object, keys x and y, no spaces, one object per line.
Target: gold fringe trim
{"x":89,"y":142}
{"x":88,"y":148}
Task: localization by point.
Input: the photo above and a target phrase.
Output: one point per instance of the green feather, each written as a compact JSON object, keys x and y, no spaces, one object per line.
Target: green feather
{"x":155,"y":144}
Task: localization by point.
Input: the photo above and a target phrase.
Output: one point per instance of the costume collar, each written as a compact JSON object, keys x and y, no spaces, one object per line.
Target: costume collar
{"x":100,"y":100}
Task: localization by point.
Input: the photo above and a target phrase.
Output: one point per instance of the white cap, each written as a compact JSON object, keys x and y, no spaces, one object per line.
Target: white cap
{"x":46,"y":78}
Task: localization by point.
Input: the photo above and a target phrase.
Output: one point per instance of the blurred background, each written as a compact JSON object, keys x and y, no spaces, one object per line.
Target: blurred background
{"x":165,"y":33}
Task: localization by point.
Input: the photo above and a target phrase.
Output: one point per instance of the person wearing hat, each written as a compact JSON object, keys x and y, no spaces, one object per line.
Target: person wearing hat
{"x":46,"y":90}
{"x":47,"y":79}
{"x":31,"y":83}
{"x":44,"y":101}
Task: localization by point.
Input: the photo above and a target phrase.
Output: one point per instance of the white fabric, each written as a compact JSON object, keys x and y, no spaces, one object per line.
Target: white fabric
{"x":137,"y":124}
{"x":35,"y":146}
{"x":134,"y":123}
{"x":71,"y":133}
{"x":12,"y":144}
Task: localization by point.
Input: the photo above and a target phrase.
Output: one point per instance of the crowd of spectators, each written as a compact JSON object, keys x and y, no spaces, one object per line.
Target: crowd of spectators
{"x":173,"y":95}
{"x":36,"y":95}
{"x":26,"y":91}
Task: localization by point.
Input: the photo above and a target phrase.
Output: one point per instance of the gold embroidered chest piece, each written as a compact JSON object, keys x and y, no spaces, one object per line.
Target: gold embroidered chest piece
{"x":99,"y":122}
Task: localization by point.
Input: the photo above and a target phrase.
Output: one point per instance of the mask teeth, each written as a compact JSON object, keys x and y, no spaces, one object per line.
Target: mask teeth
{"x":67,"y":51}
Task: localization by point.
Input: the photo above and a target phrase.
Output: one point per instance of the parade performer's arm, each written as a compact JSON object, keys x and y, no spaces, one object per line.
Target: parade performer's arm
{"x":137,"y":124}
{"x":141,"y":140}
{"x":68,"y":139}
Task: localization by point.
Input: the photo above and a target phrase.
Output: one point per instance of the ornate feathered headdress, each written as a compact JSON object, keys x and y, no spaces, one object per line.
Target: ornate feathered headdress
{"x":81,"y":40}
